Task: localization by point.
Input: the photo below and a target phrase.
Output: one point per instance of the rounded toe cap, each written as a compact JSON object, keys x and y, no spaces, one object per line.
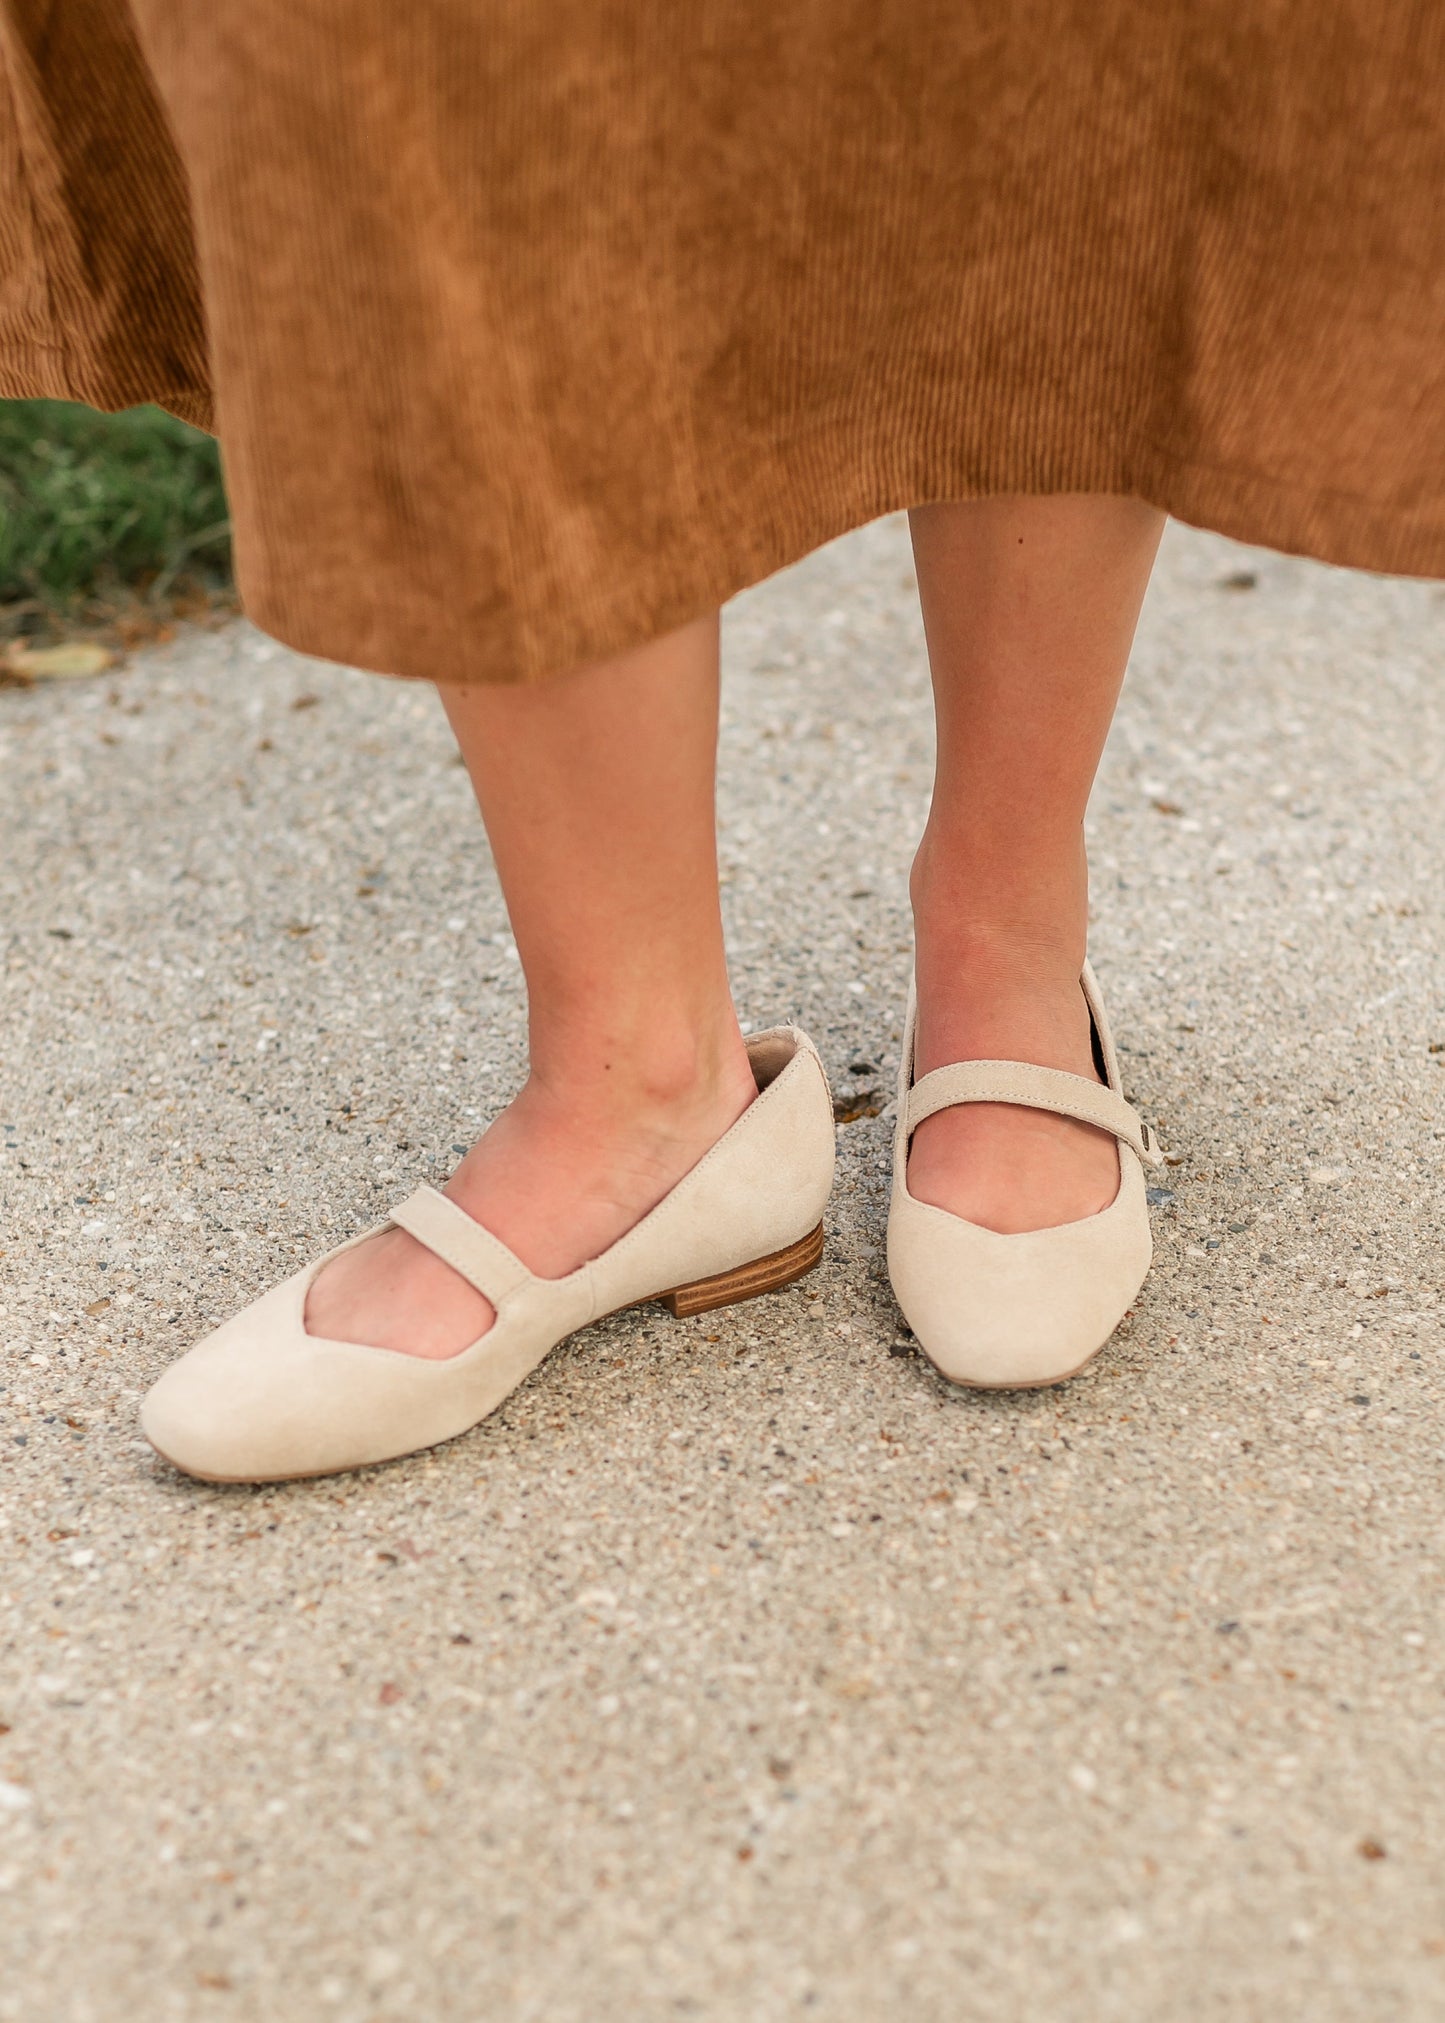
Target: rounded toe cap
{"x":183,"y":1418}
{"x":1001,"y":1312}
{"x":227,"y":1410}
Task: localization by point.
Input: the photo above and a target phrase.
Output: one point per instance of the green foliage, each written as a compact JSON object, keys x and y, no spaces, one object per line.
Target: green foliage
{"x":93,"y":504}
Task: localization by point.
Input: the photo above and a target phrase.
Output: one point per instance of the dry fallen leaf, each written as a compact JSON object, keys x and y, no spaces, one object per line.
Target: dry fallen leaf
{"x":58,"y":663}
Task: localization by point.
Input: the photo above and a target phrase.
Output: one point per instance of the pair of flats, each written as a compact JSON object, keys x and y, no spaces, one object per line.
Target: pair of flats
{"x":261,"y":1400}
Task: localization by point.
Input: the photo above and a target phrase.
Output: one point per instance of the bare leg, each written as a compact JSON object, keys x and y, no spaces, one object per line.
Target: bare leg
{"x":1030,"y":606}
{"x":597,"y":793}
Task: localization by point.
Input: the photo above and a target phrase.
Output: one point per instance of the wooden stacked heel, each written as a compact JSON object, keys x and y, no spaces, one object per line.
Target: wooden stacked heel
{"x":746,"y":1281}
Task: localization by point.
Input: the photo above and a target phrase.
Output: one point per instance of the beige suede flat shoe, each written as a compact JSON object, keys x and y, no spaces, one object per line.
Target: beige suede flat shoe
{"x":1014,"y":1312}
{"x":261,"y":1400}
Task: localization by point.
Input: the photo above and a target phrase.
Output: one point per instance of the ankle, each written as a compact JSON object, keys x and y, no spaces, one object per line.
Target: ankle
{"x":1013,"y":958}
{"x":608,"y":1141}
{"x":660,"y":1073}
{"x":1001,"y":990}
{"x":1021,"y":935}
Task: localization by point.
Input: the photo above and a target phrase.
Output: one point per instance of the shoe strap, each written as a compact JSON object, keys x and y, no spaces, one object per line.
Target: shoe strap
{"x":1035,"y":1089}
{"x":482,"y":1259}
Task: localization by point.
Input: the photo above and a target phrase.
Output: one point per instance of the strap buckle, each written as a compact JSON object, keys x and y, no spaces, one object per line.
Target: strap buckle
{"x":1149,"y":1144}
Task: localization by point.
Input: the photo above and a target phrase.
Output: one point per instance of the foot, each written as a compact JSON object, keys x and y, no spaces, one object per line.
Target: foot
{"x":558,"y":1178}
{"x":999,"y":1165}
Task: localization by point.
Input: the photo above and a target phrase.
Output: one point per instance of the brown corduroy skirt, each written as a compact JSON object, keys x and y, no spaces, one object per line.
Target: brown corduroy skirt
{"x":534,"y":328}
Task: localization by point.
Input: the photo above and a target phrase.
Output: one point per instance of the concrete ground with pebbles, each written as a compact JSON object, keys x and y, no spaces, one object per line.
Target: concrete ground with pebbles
{"x":738,"y":1668}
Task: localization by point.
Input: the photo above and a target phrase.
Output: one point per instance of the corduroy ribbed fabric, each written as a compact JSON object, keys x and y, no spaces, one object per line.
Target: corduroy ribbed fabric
{"x":534,"y":328}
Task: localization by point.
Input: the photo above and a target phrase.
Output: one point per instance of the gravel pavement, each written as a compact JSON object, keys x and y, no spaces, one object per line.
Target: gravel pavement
{"x":738,"y":1668}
